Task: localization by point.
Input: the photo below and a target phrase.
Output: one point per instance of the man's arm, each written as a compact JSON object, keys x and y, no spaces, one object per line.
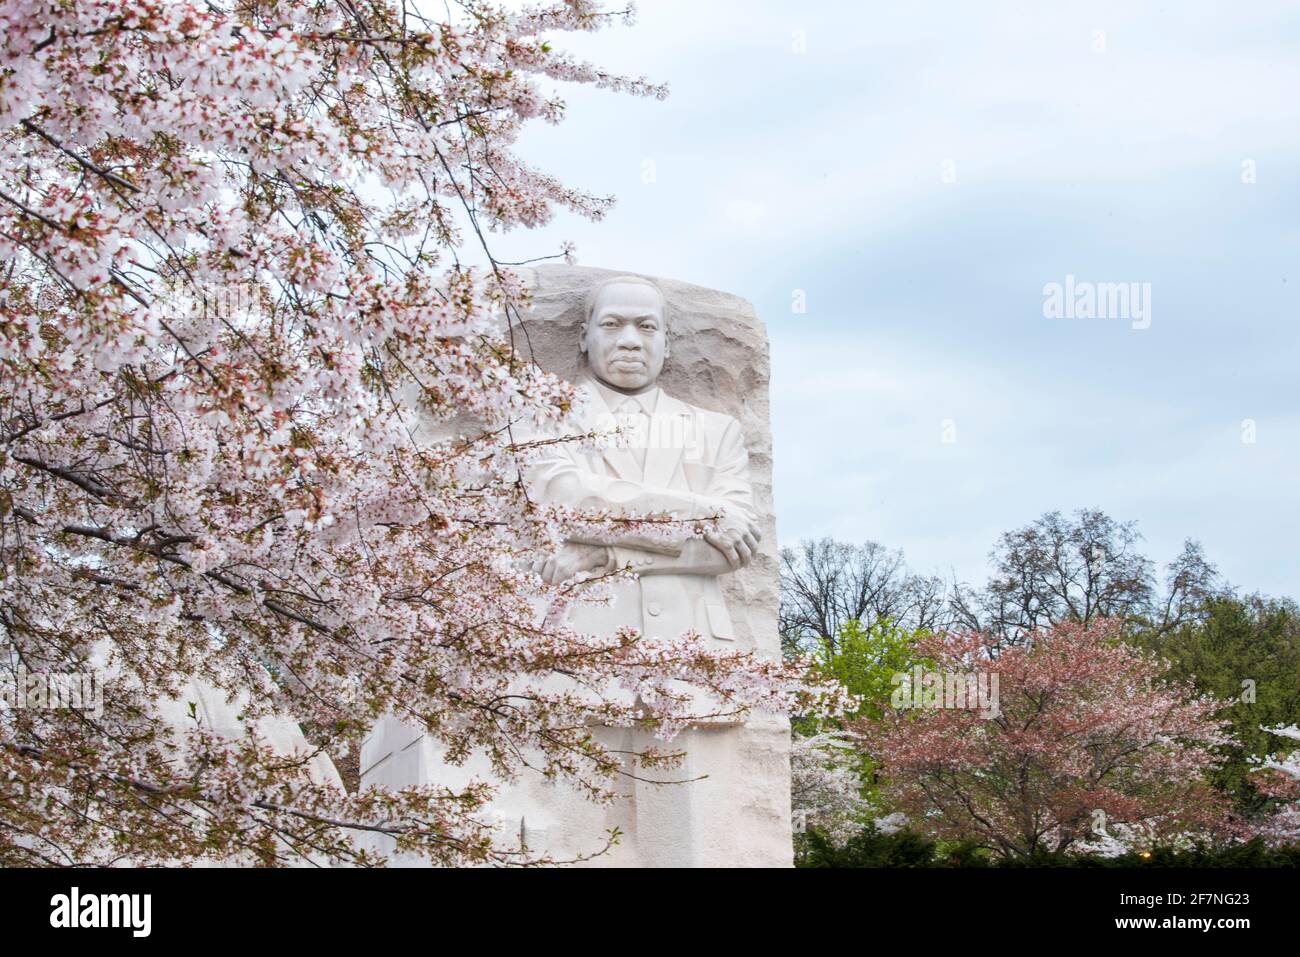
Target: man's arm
{"x":733,"y":544}
{"x":696,"y":557}
{"x":564,"y":478}
{"x":582,"y":488}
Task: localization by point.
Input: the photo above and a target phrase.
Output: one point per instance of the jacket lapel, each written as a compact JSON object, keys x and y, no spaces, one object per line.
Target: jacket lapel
{"x":600,"y":417}
{"x":672,"y":429}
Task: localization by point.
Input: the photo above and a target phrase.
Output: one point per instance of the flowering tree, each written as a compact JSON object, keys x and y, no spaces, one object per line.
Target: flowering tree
{"x":832,"y":780}
{"x":237,"y":304}
{"x":825,"y":786}
{"x":1279,"y":778}
{"x":1085,"y":736}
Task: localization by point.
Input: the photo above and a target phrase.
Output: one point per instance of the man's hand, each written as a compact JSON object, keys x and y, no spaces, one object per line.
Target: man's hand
{"x":574,"y":561}
{"x":736,"y":536}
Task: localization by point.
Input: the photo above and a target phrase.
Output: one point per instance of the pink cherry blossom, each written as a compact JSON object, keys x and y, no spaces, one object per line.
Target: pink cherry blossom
{"x":255,"y":405}
{"x":1085,"y":735}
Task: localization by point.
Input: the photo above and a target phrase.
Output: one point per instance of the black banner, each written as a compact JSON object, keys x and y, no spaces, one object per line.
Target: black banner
{"x":226,"y":905}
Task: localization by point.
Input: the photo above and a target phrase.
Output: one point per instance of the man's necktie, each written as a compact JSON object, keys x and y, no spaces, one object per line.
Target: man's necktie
{"x":636,"y":426}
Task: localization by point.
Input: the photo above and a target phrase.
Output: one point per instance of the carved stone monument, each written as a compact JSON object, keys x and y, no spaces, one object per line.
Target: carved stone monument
{"x":684,"y":371}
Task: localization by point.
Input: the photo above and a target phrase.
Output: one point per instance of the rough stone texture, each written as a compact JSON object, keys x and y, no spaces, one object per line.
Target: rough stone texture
{"x":719,"y":361}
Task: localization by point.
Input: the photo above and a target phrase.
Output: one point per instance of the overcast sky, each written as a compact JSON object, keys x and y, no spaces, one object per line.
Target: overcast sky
{"x":1104,"y":141}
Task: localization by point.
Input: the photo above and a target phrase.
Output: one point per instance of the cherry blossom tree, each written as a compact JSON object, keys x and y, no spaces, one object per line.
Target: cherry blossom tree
{"x":263,"y":425}
{"x":825,"y":786}
{"x":1084,"y":739}
{"x":1279,"y":778}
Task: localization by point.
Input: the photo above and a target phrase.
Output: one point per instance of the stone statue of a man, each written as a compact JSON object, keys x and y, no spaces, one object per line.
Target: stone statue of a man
{"x":671,"y":457}
{"x":674,"y":457}
{"x":728,"y":803}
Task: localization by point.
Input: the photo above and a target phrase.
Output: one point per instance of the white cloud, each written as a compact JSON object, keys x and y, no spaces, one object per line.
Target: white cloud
{"x":822,"y":171}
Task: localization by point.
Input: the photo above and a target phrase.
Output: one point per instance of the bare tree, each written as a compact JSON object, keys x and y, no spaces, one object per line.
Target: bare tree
{"x":1191,"y":581}
{"x":1056,"y":569}
{"x":1079,"y":569}
{"x":825,"y":584}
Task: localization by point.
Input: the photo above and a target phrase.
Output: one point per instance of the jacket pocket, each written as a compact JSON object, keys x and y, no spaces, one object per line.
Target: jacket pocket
{"x":720,"y":622}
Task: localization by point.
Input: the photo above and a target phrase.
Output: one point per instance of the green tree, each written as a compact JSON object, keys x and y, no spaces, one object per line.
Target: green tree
{"x":1247,"y":651}
{"x":866,"y":661}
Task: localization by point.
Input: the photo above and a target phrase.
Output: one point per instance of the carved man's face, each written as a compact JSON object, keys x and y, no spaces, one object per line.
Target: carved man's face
{"x":625,"y":339}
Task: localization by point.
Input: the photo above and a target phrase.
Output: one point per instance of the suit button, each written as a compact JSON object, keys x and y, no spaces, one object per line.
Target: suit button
{"x":654,"y":608}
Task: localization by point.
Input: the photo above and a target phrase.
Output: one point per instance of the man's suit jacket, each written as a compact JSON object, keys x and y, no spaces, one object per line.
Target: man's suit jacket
{"x":696,"y":465}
